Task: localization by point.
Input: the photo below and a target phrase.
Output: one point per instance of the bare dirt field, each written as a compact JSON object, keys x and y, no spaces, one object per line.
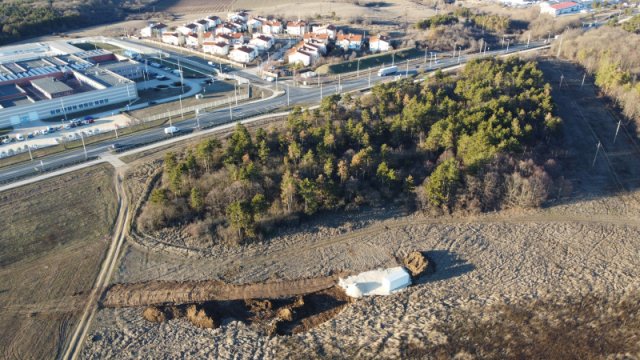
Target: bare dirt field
{"x":54,"y":234}
{"x":512,"y":284}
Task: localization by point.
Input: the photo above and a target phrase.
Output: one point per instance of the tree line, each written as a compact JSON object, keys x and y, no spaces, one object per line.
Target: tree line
{"x":472,"y":142}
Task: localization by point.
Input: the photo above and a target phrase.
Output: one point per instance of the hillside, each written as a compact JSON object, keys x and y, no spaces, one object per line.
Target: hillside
{"x":27,"y":18}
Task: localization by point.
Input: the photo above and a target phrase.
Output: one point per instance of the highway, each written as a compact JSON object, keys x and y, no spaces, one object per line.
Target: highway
{"x":289,"y":96}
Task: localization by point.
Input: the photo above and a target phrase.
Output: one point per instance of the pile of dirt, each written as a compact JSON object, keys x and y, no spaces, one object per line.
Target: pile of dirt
{"x":416,"y":263}
{"x":199,"y":317}
{"x":153,"y":314}
{"x":193,"y":292}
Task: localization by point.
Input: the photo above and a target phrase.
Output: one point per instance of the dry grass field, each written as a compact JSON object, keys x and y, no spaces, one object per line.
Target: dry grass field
{"x":54,"y":235}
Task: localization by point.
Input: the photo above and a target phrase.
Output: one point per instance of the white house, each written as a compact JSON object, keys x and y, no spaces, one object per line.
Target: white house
{"x":236,"y":39}
{"x":329,"y":30}
{"x":213,"y":21}
{"x":316,"y":46}
{"x":254,"y":25}
{"x":225,"y":29}
{"x":191,"y":40}
{"x":271,"y":27}
{"x":296,"y":28}
{"x":315,"y":37}
{"x":301,"y":57}
{"x":215,"y":48}
{"x":243,"y":54}
{"x":187,"y":28}
{"x":224,"y":38}
{"x":379,"y":43}
{"x":172,"y":38}
{"x":239,"y":25}
{"x":262,"y":42}
{"x":349,"y":41}
{"x":242,"y":15}
{"x":203,"y":24}
{"x":154,"y":30}
{"x":562,"y":8}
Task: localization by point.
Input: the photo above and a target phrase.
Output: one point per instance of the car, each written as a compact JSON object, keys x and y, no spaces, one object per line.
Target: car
{"x":171,"y":130}
{"x":30,"y":135}
{"x":19,"y":137}
{"x":67,"y":126}
{"x":166,"y":68}
{"x":152,"y":102}
{"x":6,"y":140}
{"x":89,"y":119}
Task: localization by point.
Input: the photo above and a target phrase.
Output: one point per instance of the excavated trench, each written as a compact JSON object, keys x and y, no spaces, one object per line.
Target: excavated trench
{"x":283,"y":316}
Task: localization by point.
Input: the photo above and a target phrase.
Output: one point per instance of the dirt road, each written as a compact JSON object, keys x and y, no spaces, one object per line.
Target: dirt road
{"x":108,"y":265}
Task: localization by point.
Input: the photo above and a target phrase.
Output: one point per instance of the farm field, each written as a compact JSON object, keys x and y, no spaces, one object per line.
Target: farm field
{"x":54,"y":235}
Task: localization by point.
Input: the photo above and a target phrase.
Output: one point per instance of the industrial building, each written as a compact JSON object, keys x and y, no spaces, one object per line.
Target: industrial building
{"x":56,"y":79}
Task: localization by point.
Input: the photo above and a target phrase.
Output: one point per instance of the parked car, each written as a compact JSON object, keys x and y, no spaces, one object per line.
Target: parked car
{"x":19,"y":137}
{"x":89,"y":119}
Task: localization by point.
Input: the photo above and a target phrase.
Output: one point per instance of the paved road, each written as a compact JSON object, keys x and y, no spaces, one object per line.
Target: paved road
{"x":296,"y":95}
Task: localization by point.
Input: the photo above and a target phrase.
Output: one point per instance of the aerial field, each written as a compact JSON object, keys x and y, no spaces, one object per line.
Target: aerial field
{"x":54,"y":235}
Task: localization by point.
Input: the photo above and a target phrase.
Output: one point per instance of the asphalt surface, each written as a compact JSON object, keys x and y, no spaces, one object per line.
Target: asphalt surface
{"x":305,"y":96}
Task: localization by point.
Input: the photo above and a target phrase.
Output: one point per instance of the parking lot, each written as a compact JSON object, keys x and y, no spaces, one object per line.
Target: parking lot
{"x":39,"y":134}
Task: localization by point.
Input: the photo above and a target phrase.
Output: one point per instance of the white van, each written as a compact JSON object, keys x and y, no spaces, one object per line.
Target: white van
{"x":171,"y":130}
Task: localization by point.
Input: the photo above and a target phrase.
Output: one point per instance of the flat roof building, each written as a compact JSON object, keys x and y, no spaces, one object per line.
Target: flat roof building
{"x":52,"y":87}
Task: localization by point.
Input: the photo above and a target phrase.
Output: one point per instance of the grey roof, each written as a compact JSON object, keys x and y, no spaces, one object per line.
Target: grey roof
{"x":7,"y":90}
{"x":50,"y":85}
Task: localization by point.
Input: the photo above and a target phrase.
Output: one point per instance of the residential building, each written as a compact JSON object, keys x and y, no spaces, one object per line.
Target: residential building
{"x":379,"y":43}
{"x":237,"y":39}
{"x":254,"y":25}
{"x":215,"y":48}
{"x":172,"y":38}
{"x":272,"y":27}
{"x":349,"y":41}
{"x":301,"y":57}
{"x":243,"y":54}
{"x":561,"y":8}
{"x":315,"y":37}
{"x":192,"y":40}
{"x":296,"y":28}
{"x":238,"y":15}
{"x":262,"y":42}
{"x":203,"y":25}
{"x":187,"y":28}
{"x":225,"y":28}
{"x":328,"y":29}
{"x":224,"y":38}
{"x":154,"y":30}
{"x":213,"y":21}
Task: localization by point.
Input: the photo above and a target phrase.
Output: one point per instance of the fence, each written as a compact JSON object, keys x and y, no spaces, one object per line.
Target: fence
{"x":198,"y":107}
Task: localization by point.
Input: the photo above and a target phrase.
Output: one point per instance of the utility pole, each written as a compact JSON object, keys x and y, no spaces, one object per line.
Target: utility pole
{"x":559,"y":47}
{"x":561,"y":78}
{"x":115,"y":128}
{"x":508,"y":43}
{"x":430,"y":60}
{"x":83,"y":146}
{"x":583,"y":77}
{"x":230,"y":112}
{"x":425,"y":54}
{"x":339,"y":84}
{"x":528,"y":40}
{"x":288,"y":102}
{"x":617,"y":129}
{"x":320,"y":92}
{"x":181,"y":112}
{"x":30,"y":155}
{"x":369,"y":77}
{"x":235,"y":91}
{"x":358,"y":69}
{"x":406,"y":74}
{"x":549,"y":37}
{"x":459,"y":53}
{"x":198,"y":117}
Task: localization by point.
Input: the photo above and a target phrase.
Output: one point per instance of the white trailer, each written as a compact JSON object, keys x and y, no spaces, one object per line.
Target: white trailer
{"x":388,"y":71}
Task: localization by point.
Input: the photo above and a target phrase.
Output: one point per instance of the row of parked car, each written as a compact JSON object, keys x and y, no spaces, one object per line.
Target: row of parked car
{"x":6,"y":139}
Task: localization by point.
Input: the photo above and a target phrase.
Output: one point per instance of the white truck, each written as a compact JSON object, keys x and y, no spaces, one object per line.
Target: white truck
{"x":171,"y":130}
{"x":389,"y":70}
